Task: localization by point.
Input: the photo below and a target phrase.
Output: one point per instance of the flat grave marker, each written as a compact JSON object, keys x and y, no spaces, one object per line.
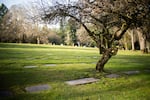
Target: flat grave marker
{"x":50,"y":65}
{"x":30,"y":66}
{"x":146,"y":70}
{"x":37,"y":88}
{"x":112,"y":76}
{"x":131,"y":72}
{"x":5,"y":93}
{"x":82,"y":81}
{"x":30,"y":58}
{"x":94,"y":63}
{"x":95,"y":57}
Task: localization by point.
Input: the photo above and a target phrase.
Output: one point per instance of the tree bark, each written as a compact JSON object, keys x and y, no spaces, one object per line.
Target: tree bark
{"x":142,"y":40}
{"x":132,"y":39}
{"x":125,"y":44}
{"x":107,"y":54}
{"x":38,"y":40}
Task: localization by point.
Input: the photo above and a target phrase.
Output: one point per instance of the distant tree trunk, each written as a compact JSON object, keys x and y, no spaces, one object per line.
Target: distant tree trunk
{"x":38,"y":40}
{"x":148,"y":45}
{"x":132,"y":38}
{"x":126,"y":44}
{"x":107,"y":54}
{"x":142,"y":41}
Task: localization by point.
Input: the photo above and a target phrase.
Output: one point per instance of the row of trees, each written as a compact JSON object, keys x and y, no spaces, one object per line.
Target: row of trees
{"x":134,"y":40}
{"x":16,"y":27}
{"x":19,"y":25}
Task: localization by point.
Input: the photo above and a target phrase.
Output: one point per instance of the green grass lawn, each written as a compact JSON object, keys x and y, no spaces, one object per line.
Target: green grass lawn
{"x":71,"y":63}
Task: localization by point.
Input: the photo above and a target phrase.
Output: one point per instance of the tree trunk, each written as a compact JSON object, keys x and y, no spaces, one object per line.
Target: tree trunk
{"x":148,"y":45}
{"x":142,"y":41}
{"x":107,"y":54}
{"x":132,"y":39}
{"x":125,"y":44}
{"x":38,"y":40}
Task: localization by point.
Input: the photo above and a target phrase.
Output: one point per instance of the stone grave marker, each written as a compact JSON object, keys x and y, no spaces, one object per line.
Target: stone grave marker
{"x":5,"y":93}
{"x":94,"y":63}
{"x":49,"y":54}
{"x":131,"y":72}
{"x":37,"y":88}
{"x":146,"y":70}
{"x":82,"y":81}
{"x":113,"y":76}
{"x":30,"y":58}
{"x":30,"y":66}
{"x":95,"y":57}
{"x":50,"y":65}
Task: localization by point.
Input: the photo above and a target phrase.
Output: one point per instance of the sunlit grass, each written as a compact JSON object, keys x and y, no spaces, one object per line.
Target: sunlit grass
{"x":71,"y":63}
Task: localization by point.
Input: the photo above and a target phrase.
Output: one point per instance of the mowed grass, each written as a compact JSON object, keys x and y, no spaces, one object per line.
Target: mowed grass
{"x":71,"y":63}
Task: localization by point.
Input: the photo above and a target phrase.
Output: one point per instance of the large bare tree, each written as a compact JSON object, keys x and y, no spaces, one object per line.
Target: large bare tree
{"x":106,"y":21}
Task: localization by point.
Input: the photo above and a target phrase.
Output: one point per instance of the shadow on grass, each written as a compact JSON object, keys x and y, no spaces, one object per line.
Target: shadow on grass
{"x":24,"y":77}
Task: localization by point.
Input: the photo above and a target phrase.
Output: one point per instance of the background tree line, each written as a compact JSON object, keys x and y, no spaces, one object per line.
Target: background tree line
{"x":19,"y":25}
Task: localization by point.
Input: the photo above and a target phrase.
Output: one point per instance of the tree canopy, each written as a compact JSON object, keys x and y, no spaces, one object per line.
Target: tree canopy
{"x":3,"y":10}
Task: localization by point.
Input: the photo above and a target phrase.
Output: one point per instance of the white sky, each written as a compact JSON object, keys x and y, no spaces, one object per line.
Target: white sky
{"x":9,"y":3}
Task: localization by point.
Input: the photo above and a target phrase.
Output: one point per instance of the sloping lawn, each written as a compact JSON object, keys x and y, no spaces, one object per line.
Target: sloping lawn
{"x":71,"y":63}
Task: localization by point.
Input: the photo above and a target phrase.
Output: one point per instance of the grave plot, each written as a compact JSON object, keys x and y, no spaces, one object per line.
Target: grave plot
{"x":5,"y":93}
{"x":50,"y":65}
{"x":131,"y":72}
{"x":37,"y":88}
{"x":95,"y":57}
{"x":112,"y":76}
{"x":146,"y":70}
{"x":94,"y":63}
{"x":30,"y":66}
{"x":82,"y":81}
{"x":30,"y":58}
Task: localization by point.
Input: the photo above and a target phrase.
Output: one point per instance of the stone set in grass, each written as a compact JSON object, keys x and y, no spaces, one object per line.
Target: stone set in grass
{"x":5,"y":93}
{"x":47,"y":65}
{"x":37,"y":88}
{"x":82,"y":81}
{"x":131,"y":72}
{"x":50,"y":65}
{"x":30,"y":66}
{"x":112,"y":76}
{"x":147,"y":70}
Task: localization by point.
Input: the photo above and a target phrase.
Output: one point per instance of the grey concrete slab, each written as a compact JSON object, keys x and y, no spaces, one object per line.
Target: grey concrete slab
{"x":37,"y":88}
{"x":49,"y":54}
{"x":94,"y":63}
{"x":82,"y":81}
{"x":30,"y":58}
{"x":146,"y":70}
{"x":30,"y":66}
{"x":5,"y":93}
{"x":95,"y":57}
{"x":131,"y":72}
{"x":50,"y":65}
{"x":112,"y":76}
